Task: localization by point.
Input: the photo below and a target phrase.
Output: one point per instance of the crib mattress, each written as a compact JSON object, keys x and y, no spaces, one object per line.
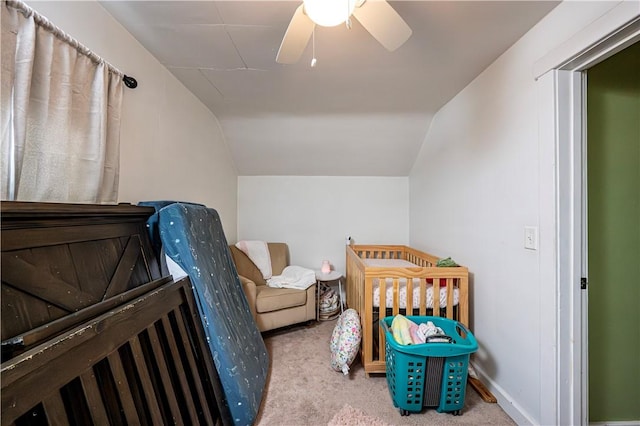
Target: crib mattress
{"x":402,"y":287}
{"x":192,"y":236}
{"x":402,"y":294}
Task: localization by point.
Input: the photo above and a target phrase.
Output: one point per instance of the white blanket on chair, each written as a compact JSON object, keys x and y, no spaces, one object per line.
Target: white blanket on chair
{"x":293,"y":277}
{"x":258,"y":253}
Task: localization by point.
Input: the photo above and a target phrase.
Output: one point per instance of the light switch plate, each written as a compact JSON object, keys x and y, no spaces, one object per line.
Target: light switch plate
{"x":531,"y":237}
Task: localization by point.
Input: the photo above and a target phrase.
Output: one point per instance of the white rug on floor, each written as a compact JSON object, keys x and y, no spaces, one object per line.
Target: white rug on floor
{"x":349,"y":416}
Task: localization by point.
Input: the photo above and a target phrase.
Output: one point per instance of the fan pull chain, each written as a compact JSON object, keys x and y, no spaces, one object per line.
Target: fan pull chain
{"x":313,"y":47}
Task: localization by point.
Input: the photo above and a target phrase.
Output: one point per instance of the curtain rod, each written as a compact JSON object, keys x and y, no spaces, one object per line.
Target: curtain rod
{"x":27,"y":11}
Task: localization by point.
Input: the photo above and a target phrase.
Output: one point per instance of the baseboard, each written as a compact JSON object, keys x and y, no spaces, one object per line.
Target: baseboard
{"x":519,"y":415}
{"x":505,"y":401}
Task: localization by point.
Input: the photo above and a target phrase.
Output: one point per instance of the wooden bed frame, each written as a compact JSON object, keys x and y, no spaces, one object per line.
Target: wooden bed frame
{"x":360,"y":291}
{"x":91,"y":333}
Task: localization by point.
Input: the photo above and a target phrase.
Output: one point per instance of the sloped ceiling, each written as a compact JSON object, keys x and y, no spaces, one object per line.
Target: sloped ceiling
{"x":361,"y":111}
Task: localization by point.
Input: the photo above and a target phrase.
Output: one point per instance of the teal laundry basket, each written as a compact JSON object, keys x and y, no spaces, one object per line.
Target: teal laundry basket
{"x":429,"y":374}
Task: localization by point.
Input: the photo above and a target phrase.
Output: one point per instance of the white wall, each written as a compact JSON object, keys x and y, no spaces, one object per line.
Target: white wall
{"x":172,"y":147}
{"x":313,"y":215}
{"x":482,"y":175}
{"x":493,"y":171}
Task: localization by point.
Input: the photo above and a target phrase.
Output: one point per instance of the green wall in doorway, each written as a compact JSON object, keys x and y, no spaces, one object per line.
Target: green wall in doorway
{"x":613,"y":182}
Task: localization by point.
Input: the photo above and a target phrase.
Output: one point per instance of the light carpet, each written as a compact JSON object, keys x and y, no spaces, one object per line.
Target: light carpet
{"x":302,"y":389}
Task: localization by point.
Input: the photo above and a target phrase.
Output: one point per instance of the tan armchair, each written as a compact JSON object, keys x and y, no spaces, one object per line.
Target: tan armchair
{"x":273,"y":307}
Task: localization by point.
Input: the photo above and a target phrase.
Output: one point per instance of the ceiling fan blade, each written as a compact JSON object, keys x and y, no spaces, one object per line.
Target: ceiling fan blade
{"x":296,"y":37}
{"x":383,"y":22}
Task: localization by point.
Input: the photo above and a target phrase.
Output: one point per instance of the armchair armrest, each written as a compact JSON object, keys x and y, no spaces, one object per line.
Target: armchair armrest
{"x":249,"y":288}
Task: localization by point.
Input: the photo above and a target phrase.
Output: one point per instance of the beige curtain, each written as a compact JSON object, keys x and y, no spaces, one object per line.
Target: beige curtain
{"x":61,"y":109}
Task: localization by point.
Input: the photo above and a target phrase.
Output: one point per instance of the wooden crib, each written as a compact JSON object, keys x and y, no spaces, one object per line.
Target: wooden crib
{"x":91,"y":331}
{"x":372,"y":273}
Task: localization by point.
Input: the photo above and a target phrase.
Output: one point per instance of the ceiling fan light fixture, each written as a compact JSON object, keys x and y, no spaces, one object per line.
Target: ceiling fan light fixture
{"x":378,"y":17}
{"x":329,"y":13}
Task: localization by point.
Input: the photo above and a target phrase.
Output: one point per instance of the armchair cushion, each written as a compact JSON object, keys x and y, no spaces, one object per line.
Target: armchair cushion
{"x":269,"y":299}
{"x":279,"y":260}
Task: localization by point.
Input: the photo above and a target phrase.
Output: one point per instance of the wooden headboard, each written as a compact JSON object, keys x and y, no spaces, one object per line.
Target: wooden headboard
{"x":91,"y":332}
{"x":60,"y":258}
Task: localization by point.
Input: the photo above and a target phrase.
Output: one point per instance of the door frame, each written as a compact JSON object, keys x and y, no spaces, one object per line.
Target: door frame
{"x":562,"y":84}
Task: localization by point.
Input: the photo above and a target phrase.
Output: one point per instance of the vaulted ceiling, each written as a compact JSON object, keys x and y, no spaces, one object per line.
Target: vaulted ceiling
{"x":361,"y":111}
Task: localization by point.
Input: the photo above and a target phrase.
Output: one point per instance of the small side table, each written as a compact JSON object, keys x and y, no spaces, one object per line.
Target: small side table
{"x":323,"y":285}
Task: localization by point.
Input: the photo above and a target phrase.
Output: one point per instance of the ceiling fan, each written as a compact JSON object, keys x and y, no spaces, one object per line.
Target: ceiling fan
{"x":376,"y":16}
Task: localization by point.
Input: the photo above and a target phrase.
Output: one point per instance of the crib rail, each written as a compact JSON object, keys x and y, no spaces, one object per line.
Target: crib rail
{"x":418,"y":257}
{"x":360,"y":292}
{"x":144,"y":362}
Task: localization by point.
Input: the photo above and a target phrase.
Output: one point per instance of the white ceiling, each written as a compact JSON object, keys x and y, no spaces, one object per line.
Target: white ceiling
{"x":361,"y":111}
